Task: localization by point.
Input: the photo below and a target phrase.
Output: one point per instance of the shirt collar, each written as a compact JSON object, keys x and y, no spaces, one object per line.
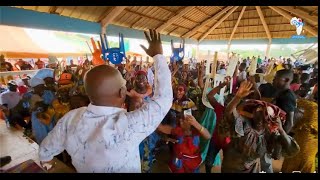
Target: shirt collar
{"x":104,"y":110}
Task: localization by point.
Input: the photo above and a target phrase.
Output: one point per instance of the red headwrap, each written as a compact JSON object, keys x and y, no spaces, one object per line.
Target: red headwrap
{"x":140,"y":73}
{"x":184,"y":87}
{"x":184,"y":98}
{"x":271,"y":112}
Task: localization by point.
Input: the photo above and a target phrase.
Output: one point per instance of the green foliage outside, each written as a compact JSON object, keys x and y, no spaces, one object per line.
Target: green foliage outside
{"x":286,"y":50}
{"x":249,"y":53}
{"x":276,"y":51}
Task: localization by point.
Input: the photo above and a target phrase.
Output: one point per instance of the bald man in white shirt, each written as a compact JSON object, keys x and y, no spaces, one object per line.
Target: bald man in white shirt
{"x":103,"y":137}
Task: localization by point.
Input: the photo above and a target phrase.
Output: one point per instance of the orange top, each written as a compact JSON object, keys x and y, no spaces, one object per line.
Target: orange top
{"x":65,"y":78}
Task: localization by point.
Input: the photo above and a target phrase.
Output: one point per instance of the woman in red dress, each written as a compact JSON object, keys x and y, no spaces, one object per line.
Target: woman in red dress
{"x":186,"y":156}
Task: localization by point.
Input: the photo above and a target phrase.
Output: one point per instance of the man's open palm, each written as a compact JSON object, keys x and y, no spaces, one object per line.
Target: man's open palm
{"x":155,"y":46}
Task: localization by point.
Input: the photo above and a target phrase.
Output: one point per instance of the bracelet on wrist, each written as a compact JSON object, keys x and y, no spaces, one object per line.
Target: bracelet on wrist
{"x":201,"y":129}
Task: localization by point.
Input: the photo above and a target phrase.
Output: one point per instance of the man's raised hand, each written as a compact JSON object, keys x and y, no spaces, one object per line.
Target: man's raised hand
{"x":155,"y":45}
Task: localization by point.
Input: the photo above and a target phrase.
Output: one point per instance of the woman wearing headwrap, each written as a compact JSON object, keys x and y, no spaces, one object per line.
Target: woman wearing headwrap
{"x":137,"y":96}
{"x":61,"y":104}
{"x":28,"y":107}
{"x":48,"y":76}
{"x":181,"y":101}
{"x":305,"y":132}
{"x":255,"y":130}
{"x":140,"y":91}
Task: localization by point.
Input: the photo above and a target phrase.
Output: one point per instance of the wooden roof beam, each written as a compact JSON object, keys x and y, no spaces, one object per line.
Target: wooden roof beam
{"x":151,"y":18}
{"x":260,"y":32}
{"x":202,"y":12}
{"x":218,"y":23}
{"x":204,"y":23}
{"x":289,"y":17}
{"x":111,"y":16}
{"x":265,"y":26}
{"x":237,"y":23}
{"x":313,"y":12}
{"x":53,"y":9}
{"x":313,"y":20}
{"x":174,"y":18}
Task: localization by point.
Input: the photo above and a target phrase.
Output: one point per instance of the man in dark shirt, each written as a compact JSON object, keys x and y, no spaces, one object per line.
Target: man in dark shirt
{"x":285,"y":98}
{"x":267,"y":90}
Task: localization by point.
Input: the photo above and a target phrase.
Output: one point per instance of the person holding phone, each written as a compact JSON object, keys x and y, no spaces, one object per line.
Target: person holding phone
{"x":186,"y":155}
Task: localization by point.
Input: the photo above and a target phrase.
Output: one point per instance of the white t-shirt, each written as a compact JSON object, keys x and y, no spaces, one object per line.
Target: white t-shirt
{"x":222,"y":71}
{"x":242,"y":76}
{"x":10,"y":98}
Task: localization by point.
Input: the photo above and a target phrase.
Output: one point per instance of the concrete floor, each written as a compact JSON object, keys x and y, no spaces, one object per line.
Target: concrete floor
{"x":21,"y":149}
{"x":13,"y":143}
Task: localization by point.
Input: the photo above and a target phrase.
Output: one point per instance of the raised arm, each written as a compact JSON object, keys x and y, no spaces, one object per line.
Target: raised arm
{"x":175,"y":69}
{"x":243,"y":91}
{"x":146,"y":119}
{"x":290,"y":146}
{"x":202,"y":130}
{"x":214,"y":91}
{"x":165,"y":129}
{"x":17,"y":65}
{"x":200,"y":75}
{"x":256,"y":93}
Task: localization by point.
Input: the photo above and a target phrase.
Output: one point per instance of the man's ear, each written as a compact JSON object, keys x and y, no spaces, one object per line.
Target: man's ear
{"x":123,"y":92}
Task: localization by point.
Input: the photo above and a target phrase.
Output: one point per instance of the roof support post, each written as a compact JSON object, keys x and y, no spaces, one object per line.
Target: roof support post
{"x":110,"y":17}
{"x":235,"y":28}
{"x":268,"y":49}
{"x":174,"y":18}
{"x":203,"y":24}
{"x":265,"y":26}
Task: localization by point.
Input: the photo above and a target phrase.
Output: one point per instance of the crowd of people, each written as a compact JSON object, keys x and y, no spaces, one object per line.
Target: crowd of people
{"x":115,"y":119}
